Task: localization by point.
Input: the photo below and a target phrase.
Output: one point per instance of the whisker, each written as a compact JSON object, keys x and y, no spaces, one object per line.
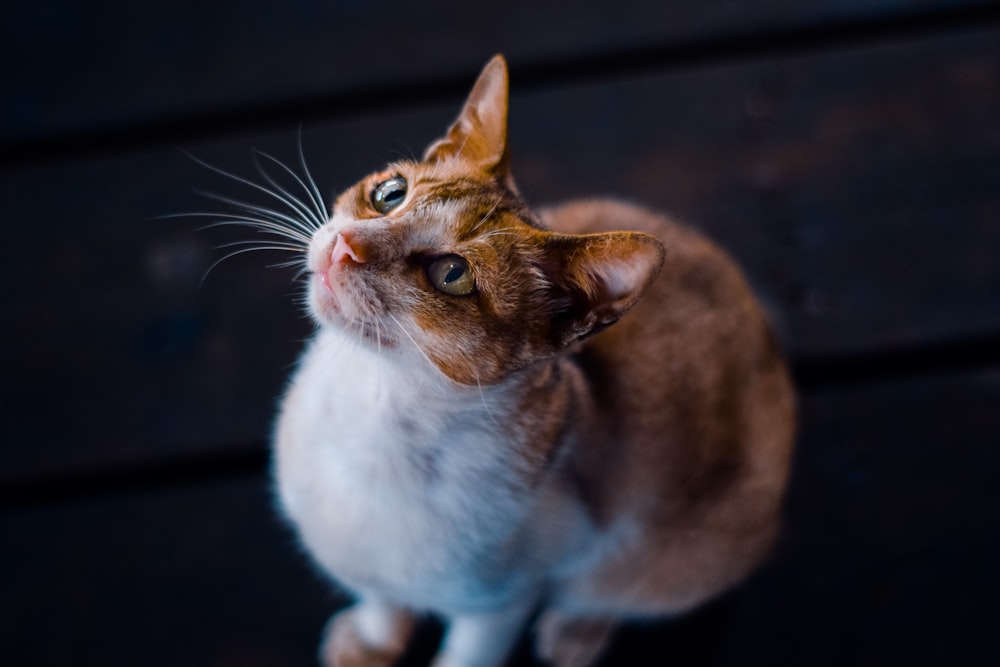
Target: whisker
{"x":458,"y":155}
{"x":344,"y":340}
{"x":298,"y":261}
{"x":378,"y":356}
{"x":506,"y":231}
{"x":412,"y":340}
{"x":486,"y":217}
{"x":294,"y":203}
{"x":241,"y":251}
{"x":264,"y":226}
{"x":262,"y":245}
{"x":280,"y":265}
{"x":435,"y":170}
{"x":360,"y":325}
{"x":406,"y":152}
{"x":486,"y":406}
{"x":315,"y":194}
{"x":303,"y":270}
{"x":269,"y":213}
{"x":250,"y":184}
{"x":310,"y":214}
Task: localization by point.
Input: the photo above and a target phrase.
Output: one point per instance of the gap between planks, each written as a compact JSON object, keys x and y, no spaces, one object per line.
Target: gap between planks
{"x":812,"y":375}
{"x":358,"y":101}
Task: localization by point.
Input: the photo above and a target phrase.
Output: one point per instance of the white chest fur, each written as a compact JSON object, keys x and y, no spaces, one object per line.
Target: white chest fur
{"x":405,"y":486}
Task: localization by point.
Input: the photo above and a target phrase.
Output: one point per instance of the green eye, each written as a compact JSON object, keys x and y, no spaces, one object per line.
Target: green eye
{"x":389,"y":194}
{"x":450,"y":274}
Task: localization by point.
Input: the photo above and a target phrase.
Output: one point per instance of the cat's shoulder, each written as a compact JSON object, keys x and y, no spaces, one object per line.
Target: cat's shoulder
{"x":707,"y":291}
{"x":687,"y":248}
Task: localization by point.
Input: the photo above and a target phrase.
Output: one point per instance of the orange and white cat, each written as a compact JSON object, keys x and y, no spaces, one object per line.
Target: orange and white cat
{"x":507,"y":412}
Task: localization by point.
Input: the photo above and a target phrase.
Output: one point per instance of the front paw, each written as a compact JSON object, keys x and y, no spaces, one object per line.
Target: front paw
{"x":343,"y":645}
{"x":565,"y":641}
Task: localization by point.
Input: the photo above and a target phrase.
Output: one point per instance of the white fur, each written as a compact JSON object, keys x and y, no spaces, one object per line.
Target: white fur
{"x":408,"y":488}
{"x":484,"y":639}
{"x":402,"y":483}
{"x":375,"y":624}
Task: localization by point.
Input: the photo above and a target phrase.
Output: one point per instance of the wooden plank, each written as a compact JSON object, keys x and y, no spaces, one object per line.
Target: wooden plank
{"x":857,"y":188}
{"x":201,"y":576}
{"x":888,"y":545}
{"x":889,"y":554}
{"x":114,"y":332}
{"x":71,"y":69}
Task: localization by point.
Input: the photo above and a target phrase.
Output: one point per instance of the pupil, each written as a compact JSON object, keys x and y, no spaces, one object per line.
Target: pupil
{"x":394,"y":196}
{"x":454,"y":273}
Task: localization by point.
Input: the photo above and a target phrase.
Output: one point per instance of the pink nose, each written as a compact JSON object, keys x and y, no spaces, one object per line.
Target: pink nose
{"x":345,"y":253}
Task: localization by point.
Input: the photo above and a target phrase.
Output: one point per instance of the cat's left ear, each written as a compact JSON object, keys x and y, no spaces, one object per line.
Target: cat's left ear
{"x":479,"y":134}
{"x":597,"y":278}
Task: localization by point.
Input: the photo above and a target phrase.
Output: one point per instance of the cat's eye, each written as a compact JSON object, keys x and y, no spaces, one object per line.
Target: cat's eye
{"x":450,"y":274}
{"x":389,"y":194}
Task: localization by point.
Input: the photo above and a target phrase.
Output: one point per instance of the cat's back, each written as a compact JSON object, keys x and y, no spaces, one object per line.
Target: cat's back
{"x":699,"y":311}
{"x":696,"y":404}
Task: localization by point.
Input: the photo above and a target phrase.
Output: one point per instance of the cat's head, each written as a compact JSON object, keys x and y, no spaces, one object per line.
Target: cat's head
{"x":443,"y":261}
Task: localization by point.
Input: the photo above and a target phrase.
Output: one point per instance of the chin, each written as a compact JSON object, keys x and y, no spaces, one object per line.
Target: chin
{"x":323,"y":305}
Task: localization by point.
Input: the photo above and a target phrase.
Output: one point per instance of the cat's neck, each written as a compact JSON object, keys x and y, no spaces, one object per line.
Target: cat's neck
{"x":388,"y":378}
{"x":392,"y":384}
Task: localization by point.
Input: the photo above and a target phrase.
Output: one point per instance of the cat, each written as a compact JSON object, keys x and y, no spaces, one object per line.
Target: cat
{"x":508,"y":415}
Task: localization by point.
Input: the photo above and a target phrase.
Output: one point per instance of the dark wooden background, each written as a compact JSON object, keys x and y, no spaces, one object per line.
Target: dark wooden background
{"x":847,"y":153}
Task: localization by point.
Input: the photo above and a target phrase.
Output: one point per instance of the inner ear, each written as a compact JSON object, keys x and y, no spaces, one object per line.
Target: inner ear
{"x":479,"y":134}
{"x":597,"y":278}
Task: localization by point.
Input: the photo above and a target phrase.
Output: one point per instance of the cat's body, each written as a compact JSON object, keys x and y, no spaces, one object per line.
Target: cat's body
{"x":463,"y":437}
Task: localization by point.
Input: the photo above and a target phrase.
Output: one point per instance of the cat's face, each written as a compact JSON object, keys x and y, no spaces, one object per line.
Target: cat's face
{"x":441,"y":260}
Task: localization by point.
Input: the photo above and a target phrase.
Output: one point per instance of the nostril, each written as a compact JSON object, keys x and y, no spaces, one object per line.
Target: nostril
{"x":344,"y":252}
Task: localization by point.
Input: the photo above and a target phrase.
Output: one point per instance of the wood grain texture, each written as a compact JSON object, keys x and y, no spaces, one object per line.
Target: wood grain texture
{"x":857,"y":188}
{"x":888,"y":553}
{"x":70,"y":68}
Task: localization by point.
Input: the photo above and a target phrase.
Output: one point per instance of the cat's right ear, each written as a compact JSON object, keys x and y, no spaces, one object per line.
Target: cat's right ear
{"x":479,"y":134}
{"x":597,"y":278}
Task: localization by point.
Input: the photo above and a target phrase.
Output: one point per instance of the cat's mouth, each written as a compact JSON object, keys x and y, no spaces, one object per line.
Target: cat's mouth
{"x":333,"y":298}
{"x":324,"y":278}
{"x":325,"y":300}
{"x":332,"y":306}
